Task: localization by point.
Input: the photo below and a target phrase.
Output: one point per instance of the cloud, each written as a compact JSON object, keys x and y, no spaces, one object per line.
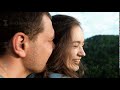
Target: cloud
{"x":96,"y":23}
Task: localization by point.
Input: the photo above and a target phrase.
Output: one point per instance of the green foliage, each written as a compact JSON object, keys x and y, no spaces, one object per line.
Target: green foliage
{"x":102,"y":56}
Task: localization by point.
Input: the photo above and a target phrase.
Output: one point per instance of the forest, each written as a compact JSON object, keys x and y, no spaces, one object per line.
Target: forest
{"x":102,"y":57}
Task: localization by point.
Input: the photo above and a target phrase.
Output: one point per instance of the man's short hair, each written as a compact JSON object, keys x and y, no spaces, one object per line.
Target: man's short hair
{"x":30,"y":23}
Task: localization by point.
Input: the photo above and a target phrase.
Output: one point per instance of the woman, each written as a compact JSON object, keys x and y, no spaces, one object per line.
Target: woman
{"x":69,"y":40}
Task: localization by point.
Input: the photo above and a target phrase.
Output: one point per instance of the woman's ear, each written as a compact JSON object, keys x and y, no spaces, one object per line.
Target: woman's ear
{"x":19,"y":44}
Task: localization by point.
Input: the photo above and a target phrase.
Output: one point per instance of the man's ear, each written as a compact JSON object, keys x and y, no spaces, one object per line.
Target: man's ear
{"x":20,"y":44}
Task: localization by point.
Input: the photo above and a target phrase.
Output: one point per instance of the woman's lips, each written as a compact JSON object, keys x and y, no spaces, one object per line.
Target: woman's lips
{"x":77,"y":61}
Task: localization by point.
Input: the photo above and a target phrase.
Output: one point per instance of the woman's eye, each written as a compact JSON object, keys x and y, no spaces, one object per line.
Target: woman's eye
{"x":75,"y":46}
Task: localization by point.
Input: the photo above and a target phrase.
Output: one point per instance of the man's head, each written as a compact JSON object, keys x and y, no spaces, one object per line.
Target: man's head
{"x":27,"y":36}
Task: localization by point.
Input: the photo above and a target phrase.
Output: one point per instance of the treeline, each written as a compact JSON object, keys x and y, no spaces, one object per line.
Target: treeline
{"x":102,"y":57}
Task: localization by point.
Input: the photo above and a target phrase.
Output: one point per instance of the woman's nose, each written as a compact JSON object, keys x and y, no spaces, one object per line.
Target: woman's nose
{"x":81,"y":52}
{"x":84,"y":54}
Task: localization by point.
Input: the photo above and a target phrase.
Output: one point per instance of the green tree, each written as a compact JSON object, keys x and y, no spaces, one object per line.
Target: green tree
{"x":102,"y":56}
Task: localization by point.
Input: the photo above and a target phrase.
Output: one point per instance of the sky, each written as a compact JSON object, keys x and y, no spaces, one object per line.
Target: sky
{"x":96,"y":23}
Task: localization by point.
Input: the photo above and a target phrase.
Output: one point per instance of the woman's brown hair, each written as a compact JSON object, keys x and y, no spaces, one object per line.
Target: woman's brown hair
{"x":62,"y":25}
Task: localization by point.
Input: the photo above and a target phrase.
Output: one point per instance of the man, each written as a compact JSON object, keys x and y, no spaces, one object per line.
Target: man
{"x":26,"y":42}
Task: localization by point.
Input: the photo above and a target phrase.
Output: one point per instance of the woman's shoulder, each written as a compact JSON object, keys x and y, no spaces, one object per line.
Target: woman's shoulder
{"x":57,"y":75}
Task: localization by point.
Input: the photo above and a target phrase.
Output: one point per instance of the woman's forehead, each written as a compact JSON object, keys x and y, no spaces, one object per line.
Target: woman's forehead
{"x":77,"y":34}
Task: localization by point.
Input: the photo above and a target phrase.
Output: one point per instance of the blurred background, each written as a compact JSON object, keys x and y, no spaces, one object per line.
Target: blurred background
{"x":101,"y":32}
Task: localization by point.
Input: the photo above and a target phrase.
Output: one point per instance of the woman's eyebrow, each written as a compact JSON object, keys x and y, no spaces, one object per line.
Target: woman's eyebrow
{"x":78,"y":42}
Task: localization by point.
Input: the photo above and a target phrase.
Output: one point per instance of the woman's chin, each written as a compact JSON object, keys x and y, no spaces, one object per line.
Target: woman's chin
{"x":76,"y":68}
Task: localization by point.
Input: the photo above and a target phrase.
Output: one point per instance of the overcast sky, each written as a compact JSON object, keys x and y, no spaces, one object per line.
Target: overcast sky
{"x":96,"y":23}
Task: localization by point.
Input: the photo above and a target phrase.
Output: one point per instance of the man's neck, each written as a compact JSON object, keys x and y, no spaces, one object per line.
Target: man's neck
{"x":12,"y":68}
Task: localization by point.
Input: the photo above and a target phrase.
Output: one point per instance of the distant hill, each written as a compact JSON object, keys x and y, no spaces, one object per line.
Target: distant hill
{"x":102,"y":56}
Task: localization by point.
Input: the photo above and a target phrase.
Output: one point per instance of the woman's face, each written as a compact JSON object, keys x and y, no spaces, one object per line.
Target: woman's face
{"x":76,"y":48}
